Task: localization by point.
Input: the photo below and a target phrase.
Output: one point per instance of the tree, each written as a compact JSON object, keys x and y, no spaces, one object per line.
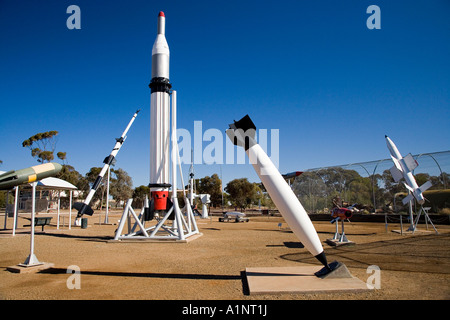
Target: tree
{"x":62,"y":156}
{"x":69,"y":174}
{"x":42,"y":145}
{"x":212,"y":186}
{"x":242,"y":192}
{"x":139,"y":195}
{"x":91,"y":176}
{"x":121,"y":185}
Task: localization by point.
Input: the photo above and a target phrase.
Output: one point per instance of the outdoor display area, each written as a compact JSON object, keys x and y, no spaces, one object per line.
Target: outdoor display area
{"x":212,"y":267}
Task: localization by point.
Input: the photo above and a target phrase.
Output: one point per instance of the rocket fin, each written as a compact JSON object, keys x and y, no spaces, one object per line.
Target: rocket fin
{"x":83,"y":208}
{"x":410,"y":162}
{"x":396,"y":173}
{"x":408,"y":198}
{"x":425,"y":186}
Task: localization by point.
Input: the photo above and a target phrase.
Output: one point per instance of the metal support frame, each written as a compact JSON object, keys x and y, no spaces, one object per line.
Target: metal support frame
{"x":427,"y":218}
{"x":340,"y":237}
{"x":182,"y":227}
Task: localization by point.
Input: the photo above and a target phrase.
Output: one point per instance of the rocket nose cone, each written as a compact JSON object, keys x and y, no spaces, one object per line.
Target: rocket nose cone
{"x":57,"y":166}
{"x":161,"y":14}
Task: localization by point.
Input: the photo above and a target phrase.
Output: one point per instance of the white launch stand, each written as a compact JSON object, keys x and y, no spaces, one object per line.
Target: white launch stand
{"x":339,"y":239}
{"x":182,"y":227}
{"x":427,"y":218}
{"x":411,"y":218}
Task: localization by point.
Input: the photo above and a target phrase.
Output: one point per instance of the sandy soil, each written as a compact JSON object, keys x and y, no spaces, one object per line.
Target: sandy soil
{"x":212,"y":266}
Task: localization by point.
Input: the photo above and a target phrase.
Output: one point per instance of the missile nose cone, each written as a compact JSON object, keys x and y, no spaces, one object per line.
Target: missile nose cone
{"x":161,"y":14}
{"x":58,"y":167}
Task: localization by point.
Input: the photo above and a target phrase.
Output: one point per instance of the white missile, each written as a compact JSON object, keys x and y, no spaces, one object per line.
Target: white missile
{"x":83,"y":207}
{"x":402,"y":169}
{"x":160,"y":119}
{"x":242,"y":133}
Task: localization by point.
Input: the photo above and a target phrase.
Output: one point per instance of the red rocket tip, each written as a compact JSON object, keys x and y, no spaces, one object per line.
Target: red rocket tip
{"x":161,"y":14}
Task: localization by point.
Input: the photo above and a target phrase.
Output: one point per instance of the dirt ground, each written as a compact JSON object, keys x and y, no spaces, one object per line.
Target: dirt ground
{"x":212,"y":266}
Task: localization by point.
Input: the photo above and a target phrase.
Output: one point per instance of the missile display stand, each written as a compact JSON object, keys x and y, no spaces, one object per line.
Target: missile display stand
{"x":182,"y":226}
{"x":339,"y":238}
{"x":31,"y":263}
{"x":427,"y":218}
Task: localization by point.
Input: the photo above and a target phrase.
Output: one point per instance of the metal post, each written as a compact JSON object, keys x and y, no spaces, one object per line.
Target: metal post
{"x":107,"y":195}
{"x":336,"y":234}
{"x":31,"y":259}
{"x":16,"y":201}
{"x":401,"y":224}
{"x":411,"y":219}
{"x":70,"y":210}
{"x":59,"y":204}
{"x":6,"y":209}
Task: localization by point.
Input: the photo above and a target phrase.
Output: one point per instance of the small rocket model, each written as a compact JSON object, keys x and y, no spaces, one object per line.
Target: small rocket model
{"x":160,"y":121}
{"x":291,"y":175}
{"x":242,"y":133}
{"x":83,"y":207}
{"x":403,"y":168}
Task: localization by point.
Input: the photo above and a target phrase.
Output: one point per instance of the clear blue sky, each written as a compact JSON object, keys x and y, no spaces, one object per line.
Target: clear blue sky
{"x":311,"y":69}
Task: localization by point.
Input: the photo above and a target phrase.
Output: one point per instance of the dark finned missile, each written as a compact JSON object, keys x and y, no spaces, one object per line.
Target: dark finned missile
{"x":15,"y":178}
{"x":291,"y":175}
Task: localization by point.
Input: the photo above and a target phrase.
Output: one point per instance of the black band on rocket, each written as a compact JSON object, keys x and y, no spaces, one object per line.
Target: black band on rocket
{"x":109,"y":159}
{"x":160,"y":85}
{"x":159,"y":185}
{"x":97,"y":182}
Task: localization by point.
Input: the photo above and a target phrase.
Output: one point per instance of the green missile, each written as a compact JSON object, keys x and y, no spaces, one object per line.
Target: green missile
{"x":13,"y":178}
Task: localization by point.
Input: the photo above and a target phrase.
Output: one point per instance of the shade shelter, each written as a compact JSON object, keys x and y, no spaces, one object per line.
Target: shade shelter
{"x":51,"y":183}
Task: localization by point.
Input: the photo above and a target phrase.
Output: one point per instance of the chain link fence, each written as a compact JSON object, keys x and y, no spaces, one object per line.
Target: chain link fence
{"x":370,"y":187}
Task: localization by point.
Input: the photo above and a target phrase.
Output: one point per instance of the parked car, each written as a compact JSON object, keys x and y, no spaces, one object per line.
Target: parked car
{"x":233,"y":216}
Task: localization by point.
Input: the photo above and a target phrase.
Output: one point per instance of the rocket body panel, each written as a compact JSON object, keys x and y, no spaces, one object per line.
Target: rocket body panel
{"x":160,"y":52}
{"x":160,"y":66}
{"x":285,"y":200}
{"x":159,"y":139}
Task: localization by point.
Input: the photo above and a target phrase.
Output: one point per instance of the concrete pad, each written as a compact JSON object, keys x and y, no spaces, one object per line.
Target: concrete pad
{"x":151,"y":240}
{"x":301,"y":279}
{"x":417,"y":231}
{"x":31,"y":269}
{"x":336,"y":243}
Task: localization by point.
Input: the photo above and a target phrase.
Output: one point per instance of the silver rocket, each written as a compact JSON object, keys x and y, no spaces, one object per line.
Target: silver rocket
{"x":403,"y":168}
{"x":160,"y":118}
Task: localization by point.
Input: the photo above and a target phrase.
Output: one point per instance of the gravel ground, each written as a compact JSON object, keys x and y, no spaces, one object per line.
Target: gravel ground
{"x":212,"y":266}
